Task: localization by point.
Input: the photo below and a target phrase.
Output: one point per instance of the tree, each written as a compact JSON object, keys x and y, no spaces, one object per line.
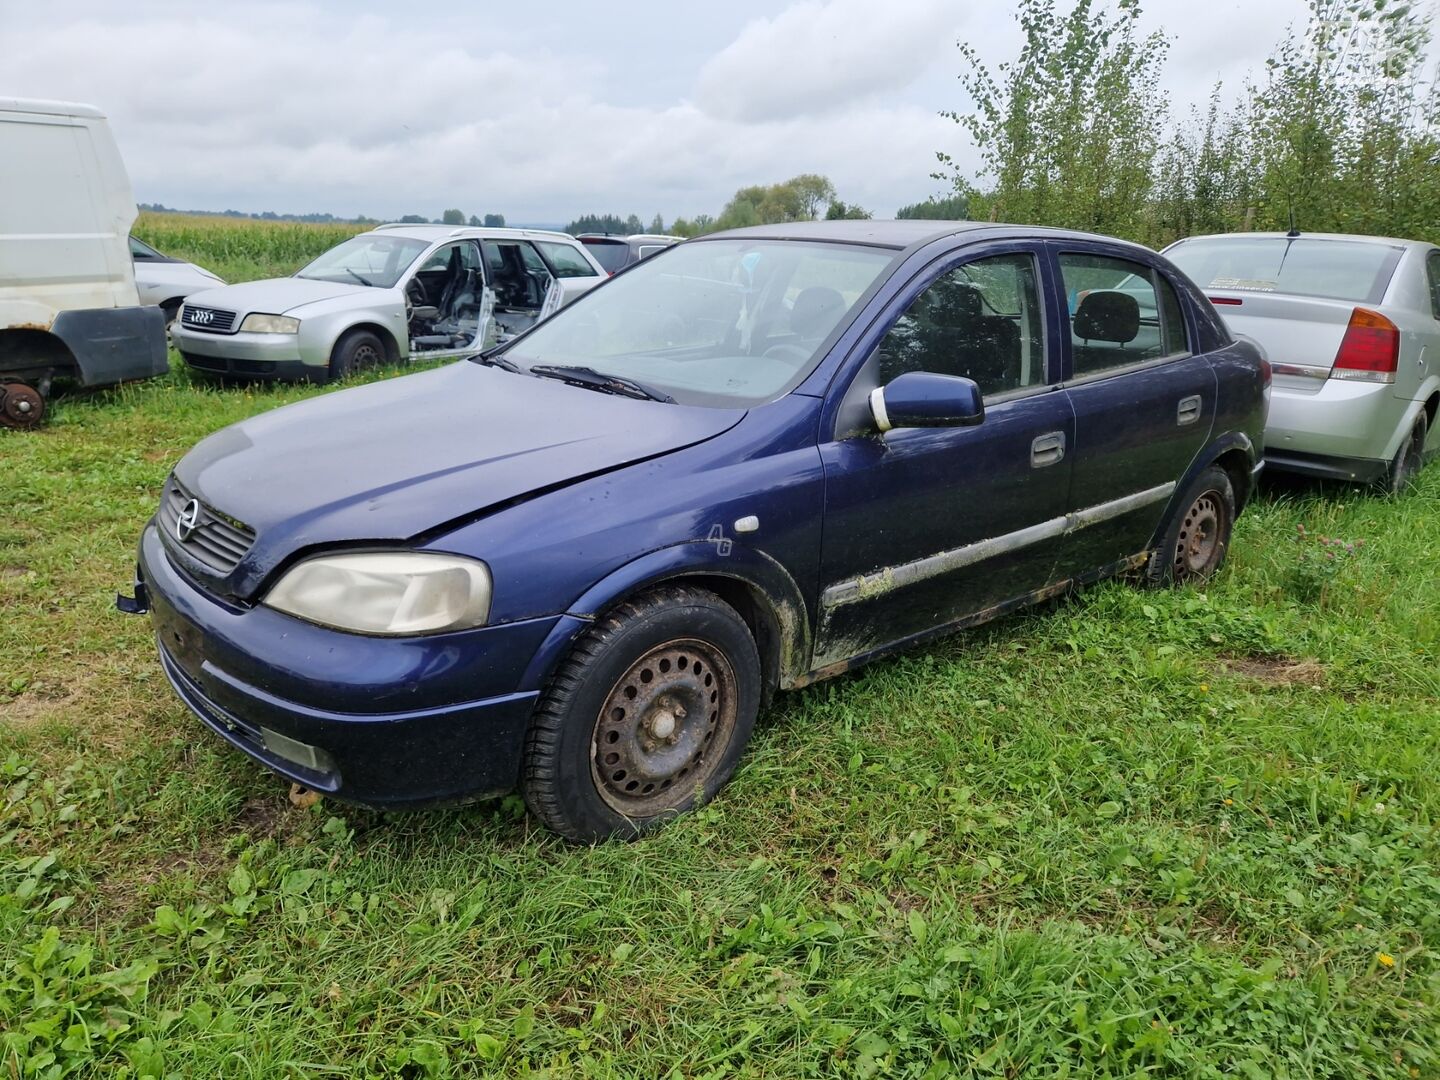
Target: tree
{"x":414,"y":219}
{"x":1068,"y":133}
{"x":657,"y":225}
{"x":474,"y":222}
{"x":600,"y":223}
{"x":937,"y":208}
{"x":452,"y":217}
{"x":494,"y":221}
{"x":797,"y":199}
{"x":839,"y":211}
{"x":633,"y":224}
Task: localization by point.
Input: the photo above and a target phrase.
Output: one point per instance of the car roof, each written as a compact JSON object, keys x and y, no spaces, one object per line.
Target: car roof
{"x":1393,"y":241}
{"x":904,"y":234}
{"x":50,"y":108}
{"x":431,"y":233}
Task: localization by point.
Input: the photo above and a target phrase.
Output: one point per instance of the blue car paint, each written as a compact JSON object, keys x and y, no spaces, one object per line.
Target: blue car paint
{"x":576,"y":500}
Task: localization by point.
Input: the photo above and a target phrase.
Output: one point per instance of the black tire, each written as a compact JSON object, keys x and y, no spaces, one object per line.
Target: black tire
{"x":596,"y":767}
{"x":1195,"y":539}
{"x":1408,"y":459}
{"x":356,"y":351}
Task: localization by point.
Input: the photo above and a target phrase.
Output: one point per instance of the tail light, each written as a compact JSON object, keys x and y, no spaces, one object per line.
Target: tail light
{"x":1370,"y":350}
{"x":1267,"y":373}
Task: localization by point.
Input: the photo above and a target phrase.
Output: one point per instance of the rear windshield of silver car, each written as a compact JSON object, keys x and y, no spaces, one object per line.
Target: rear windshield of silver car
{"x":1353,"y":270}
{"x":726,"y":323}
{"x":372,"y":259}
{"x":611,"y":254}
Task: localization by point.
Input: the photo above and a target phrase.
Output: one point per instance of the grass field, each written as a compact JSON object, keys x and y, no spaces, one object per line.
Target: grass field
{"x":1161,"y":834}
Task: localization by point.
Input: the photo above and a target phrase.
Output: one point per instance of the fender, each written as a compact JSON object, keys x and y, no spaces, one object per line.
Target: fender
{"x":113,"y":345}
{"x":768,"y":584}
{"x":1231,"y":440}
{"x":1413,"y":409}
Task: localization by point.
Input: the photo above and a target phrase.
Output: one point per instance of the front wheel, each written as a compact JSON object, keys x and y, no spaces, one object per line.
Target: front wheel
{"x":645,"y":719}
{"x":1197,"y":535}
{"x":356,"y":351}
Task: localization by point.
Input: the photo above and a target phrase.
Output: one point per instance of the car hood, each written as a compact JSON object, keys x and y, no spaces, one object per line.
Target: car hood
{"x":392,"y":460}
{"x":277,"y":296}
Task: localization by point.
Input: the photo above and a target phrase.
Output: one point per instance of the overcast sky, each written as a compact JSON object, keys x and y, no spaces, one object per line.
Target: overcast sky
{"x":545,"y":111}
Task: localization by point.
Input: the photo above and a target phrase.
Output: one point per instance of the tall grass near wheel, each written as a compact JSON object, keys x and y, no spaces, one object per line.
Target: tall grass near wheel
{"x":241,"y":249}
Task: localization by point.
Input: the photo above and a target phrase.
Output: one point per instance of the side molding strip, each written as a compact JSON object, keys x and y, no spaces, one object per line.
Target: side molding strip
{"x":893,"y":577}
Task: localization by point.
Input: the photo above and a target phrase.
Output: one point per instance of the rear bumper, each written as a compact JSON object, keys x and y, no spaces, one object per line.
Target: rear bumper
{"x":1353,"y":470}
{"x":388,"y":722}
{"x":1338,"y":419}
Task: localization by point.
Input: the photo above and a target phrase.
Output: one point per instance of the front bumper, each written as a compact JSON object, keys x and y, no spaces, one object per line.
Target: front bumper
{"x":386,"y":722}
{"x":275,"y":356}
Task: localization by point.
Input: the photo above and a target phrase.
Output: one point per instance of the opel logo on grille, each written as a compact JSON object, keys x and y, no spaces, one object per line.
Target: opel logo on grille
{"x":188,"y":521}
{"x":202,"y":315}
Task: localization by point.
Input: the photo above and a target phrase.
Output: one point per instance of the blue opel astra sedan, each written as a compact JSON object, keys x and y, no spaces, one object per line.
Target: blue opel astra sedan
{"x":581,"y":563}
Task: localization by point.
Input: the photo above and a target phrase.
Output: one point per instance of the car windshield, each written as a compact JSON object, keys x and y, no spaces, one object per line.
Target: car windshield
{"x":611,"y":254}
{"x":1353,"y":270}
{"x":718,"y":322}
{"x":370,"y":259}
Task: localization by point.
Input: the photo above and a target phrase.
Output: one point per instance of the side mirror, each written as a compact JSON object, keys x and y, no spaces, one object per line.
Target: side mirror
{"x":924,"y":399}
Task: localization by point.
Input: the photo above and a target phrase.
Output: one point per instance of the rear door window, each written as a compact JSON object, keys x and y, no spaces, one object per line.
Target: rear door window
{"x":566,"y":261}
{"x":1121,"y":313}
{"x":1432,"y":268}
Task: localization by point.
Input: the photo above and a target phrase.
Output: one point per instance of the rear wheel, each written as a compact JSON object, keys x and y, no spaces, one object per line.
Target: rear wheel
{"x":645,"y":719}
{"x":21,"y":405}
{"x":356,"y":351}
{"x":1408,"y":459}
{"x":1197,"y":536}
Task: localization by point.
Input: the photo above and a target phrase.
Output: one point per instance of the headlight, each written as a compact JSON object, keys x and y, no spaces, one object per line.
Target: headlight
{"x":270,"y":324}
{"x":387,"y":592}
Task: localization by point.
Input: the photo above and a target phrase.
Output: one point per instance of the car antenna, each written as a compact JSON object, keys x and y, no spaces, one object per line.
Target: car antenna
{"x":1294,"y":232}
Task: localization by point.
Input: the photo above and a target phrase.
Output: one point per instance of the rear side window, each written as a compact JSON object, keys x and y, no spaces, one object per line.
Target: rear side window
{"x":1121,"y":313}
{"x":1432,"y":269}
{"x":566,"y":260}
{"x":980,"y":321}
{"x":1354,"y":270}
{"x":611,"y":254}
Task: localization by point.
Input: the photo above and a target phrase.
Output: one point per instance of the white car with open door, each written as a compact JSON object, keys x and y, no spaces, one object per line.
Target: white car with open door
{"x":395,"y":293}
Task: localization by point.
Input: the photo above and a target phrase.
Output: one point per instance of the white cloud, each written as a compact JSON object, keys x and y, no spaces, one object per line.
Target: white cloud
{"x":822,"y":56}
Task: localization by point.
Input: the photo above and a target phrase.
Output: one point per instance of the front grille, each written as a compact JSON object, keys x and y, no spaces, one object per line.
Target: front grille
{"x":215,"y":541}
{"x":207,"y":320}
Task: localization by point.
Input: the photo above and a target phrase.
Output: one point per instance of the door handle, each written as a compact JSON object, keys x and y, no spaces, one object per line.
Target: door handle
{"x":1188,"y":411}
{"x":1047,"y":449}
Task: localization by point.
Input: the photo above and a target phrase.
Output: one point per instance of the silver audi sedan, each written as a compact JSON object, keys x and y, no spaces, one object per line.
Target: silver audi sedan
{"x":396,"y":292}
{"x":1351,"y":326}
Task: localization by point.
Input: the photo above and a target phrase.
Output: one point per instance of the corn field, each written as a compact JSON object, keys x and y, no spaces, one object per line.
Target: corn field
{"x":241,"y":249}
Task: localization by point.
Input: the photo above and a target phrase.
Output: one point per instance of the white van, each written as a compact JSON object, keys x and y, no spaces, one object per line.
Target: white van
{"x":68,"y":304}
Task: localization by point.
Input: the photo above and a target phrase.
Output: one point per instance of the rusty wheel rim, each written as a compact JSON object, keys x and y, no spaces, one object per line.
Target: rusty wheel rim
{"x":21,"y":406}
{"x":664,"y":728}
{"x":1201,"y":541}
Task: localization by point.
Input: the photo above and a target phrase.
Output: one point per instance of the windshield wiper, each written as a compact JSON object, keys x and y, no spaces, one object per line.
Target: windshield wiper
{"x":357,"y":277}
{"x":492,"y":359}
{"x":591,"y":379}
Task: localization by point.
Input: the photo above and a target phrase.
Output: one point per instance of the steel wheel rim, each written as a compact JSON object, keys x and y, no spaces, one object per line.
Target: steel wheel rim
{"x":365,"y":356}
{"x":1198,"y":547}
{"x":663,"y":728}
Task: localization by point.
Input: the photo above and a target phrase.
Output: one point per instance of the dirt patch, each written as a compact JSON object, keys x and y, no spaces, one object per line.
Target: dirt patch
{"x":33,"y":711}
{"x":262,"y":817}
{"x":1277,"y":670}
{"x":14,"y":571}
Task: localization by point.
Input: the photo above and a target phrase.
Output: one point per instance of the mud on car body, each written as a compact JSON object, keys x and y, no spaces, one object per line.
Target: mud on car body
{"x":581,"y":563}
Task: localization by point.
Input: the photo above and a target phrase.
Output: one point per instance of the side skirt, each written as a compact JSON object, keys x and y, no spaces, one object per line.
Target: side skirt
{"x":965,"y":622}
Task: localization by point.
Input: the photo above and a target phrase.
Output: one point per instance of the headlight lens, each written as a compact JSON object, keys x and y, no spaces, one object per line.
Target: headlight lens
{"x":391,"y":593}
{"x":270,"y":324}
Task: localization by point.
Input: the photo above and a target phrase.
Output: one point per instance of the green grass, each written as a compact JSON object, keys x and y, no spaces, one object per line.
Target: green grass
{"x":1170,"y":834}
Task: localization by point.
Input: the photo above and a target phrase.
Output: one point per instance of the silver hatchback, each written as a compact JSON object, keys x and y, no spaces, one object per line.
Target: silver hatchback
{"x":1351,"y":326}
{"x":396,"y":292}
